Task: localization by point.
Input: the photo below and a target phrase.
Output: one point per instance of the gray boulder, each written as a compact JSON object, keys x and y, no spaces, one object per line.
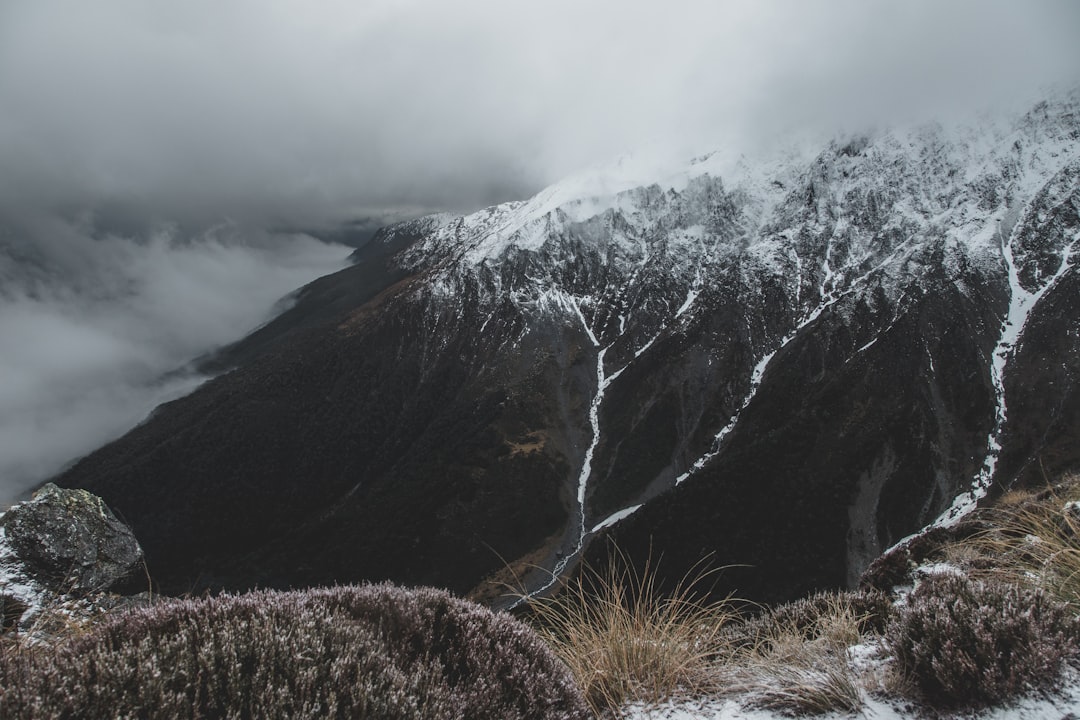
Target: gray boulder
{"x":69,"y":542}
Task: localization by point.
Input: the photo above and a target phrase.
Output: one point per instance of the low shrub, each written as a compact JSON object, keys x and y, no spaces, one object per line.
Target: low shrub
{"x":967,"y":642}
{"x":894,"y":568}
{"x":373,"y":652}
{"x":626,"y":642}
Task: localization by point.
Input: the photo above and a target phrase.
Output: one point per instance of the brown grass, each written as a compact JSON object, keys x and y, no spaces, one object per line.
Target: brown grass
{"x":797,"y":663}
{"x":625,"y":642}
{"x":532,"y":443}
{"x":1034,"y":540}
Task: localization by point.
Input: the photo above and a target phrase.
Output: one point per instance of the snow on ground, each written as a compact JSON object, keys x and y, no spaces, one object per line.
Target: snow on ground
{"x":1064,"y":703}
{"x":870,"y":661}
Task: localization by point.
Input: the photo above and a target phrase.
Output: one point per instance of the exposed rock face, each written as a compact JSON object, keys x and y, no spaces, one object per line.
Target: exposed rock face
{"x":790,"y":364}
{"x":69,"y":542}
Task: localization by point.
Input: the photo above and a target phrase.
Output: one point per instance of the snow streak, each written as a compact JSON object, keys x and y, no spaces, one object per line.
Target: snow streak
{"x":602,"y":383}
{"x":1021,"y":303}
{"x":829,"y":294}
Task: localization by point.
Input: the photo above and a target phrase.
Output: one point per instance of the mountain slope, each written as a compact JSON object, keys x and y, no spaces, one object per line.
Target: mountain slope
{"x":789,"y":362}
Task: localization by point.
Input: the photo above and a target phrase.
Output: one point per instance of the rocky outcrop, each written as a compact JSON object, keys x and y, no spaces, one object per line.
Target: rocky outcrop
{"x":69,"y":542}
{"x":64,"y":548}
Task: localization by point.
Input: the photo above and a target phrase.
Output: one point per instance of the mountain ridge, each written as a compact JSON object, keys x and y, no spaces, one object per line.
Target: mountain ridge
{"x":507,"y":381}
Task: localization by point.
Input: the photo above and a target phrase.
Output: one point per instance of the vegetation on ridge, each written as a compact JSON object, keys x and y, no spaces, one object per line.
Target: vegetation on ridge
{"x":970,"y":616}
{"x":974,"y":616}
{"x":980,"y":642}
{"x":373,"y":652}
{"x":624,"y":641}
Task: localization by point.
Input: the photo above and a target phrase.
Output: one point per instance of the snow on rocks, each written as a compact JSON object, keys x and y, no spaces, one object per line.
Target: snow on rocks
{"x":639,"y":251}
{"x":61,"y":547}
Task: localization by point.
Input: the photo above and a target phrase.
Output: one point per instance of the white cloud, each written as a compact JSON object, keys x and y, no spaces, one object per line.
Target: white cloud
{"x":118,"y":114}
{"x":86,"y":353}
{"x":319,"y":107}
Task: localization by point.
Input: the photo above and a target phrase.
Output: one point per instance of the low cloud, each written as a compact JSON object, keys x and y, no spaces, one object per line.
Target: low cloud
{"x":95,"y":337}
{"x":129,"y":132}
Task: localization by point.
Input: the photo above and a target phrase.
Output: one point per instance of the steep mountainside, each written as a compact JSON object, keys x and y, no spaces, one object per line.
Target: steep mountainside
{"x":790,"y":363}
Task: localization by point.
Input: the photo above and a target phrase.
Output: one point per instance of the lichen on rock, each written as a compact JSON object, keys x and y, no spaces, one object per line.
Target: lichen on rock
{"x":69,"y":542}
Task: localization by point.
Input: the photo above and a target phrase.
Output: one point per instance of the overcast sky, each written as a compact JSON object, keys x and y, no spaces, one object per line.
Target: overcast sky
{"x":151,"y":153}
{"x":307,"y":109}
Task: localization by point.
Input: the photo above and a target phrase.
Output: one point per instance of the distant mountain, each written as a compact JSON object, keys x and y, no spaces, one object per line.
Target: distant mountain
{"x":788,"y":363}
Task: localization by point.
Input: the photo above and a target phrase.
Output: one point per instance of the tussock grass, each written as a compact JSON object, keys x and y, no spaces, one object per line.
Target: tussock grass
{"x":626,"y":642}
{"x":1033,"y":540}
{"x":1002,"y":623}
{"x":795,"y":659}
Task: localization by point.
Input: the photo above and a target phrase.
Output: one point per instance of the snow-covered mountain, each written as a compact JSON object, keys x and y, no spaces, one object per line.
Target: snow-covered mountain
{"x":787,"y":362}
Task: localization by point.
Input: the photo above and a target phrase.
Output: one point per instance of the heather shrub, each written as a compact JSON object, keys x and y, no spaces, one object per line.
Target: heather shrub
{"x":373,"y":652}
{"x":895,"y":567}
{"x":967,"y":642}
{"x":627,"y":642}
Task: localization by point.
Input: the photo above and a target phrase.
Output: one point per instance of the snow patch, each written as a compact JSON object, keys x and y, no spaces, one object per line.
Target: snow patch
{"x":615,"y":517}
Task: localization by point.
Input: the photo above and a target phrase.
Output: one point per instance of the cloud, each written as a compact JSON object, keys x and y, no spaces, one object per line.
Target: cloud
{"x":311,"y":109}
{"x":130,"y":130}
{"x":88,"y":353}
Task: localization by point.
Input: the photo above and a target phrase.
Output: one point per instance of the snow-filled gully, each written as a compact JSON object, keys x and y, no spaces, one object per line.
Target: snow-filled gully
{"x":829,"y":295}
{"x":571,"y":550}
{"x":603,"y":381}
{"x":1021,"y":303}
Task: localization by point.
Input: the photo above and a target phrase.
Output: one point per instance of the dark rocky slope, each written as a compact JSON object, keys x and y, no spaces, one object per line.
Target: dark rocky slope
{"x":790,"y":363}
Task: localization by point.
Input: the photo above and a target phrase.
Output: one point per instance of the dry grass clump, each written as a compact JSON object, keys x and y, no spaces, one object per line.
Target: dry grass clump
{"x":626,"y":642}
{"x":1003,"y":622}
{"x":809,"y":616}
{"x":11,"y":610}
{"x":967,"y":642}
{"x":1033,"y":539}
{"x":794,"y":659}
{"x":373,"y":652}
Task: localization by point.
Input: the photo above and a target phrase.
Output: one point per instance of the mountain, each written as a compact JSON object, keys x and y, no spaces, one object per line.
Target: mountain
{"x":787,"y":363}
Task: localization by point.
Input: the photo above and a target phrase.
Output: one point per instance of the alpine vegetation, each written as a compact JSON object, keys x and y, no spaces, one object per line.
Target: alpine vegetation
{"x":1033,"y":539}
{"x":988,"y":625}
{"x":971,"y":642}
{"x":626,"y":642}
{"x":795,"y":659}
{"x":377,"y":652}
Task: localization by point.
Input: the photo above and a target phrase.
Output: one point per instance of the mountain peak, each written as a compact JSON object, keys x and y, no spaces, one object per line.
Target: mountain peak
{"x":791,"y":361}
